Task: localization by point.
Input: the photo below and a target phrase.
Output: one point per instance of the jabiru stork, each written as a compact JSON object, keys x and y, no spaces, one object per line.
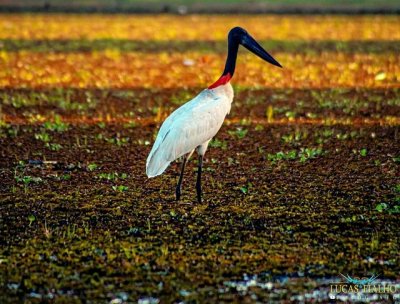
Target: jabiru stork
{"x":194,"y":124}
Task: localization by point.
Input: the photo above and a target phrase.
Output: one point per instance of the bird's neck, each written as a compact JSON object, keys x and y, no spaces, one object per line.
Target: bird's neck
{"x":230,"y":65}
{"x":224,"y":79}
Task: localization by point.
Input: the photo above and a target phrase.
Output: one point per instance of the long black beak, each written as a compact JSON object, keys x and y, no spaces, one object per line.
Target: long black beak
{"x":253,"y":46}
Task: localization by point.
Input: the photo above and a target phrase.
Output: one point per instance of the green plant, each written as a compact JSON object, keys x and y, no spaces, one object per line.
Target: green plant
{"x":120,"y":188}
{"x":294,"y":137}
{"x":363,"y":152}
{"x":70,"y":233}
{"x":31,"y":219}
{"x":303,"y":155}
{"x":381,"y":207}
{"x":216,"y":143}
{"x":112,"y":176}
{"x":117,"y":140}
{"x":92,"y":167}
{"x":290,"y":114}
{"x":245,"y":189}
{"x":181,"y":97}
{"x":307,"y":153}
{"x":17,"y":100}
{"x":130,"y":125}
{"x":65,"y":177}
{"x":53,"y":146}
{"x":259,"y":127}
{"x":239,"y":133}
{"x":143,"y":142}
{"x":374,"y":241}
{"x":57,"y":125}
{"x":43,"y":136}
{"x":273,"y":158}
{"x":27,"y":180}
{"x":101,"y":125}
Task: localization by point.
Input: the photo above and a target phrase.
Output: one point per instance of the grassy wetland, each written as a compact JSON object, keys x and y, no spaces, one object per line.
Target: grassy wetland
{"x":301,"y":184}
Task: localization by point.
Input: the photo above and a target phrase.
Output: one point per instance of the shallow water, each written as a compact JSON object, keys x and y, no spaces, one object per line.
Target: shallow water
{"x":314,"y":290}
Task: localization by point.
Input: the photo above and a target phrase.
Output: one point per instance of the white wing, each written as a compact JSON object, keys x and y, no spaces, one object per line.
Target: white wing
{"x":186,"y":128}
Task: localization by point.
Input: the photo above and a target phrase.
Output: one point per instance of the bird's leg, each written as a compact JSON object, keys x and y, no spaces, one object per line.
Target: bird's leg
{"x":179,"y":185}
{"x":198,"y":183}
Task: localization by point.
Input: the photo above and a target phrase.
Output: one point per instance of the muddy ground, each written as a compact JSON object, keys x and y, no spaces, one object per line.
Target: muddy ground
{"x":299,"y":186}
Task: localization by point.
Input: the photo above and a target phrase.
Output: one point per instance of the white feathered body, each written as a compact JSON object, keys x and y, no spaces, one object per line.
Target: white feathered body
{"x":189,"y":127}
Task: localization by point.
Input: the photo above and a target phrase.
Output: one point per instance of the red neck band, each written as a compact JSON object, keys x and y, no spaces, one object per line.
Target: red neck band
{"x":224,"y":79}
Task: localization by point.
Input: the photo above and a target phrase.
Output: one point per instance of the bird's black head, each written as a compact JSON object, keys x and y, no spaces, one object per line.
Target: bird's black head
{"x":238,"y":35}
